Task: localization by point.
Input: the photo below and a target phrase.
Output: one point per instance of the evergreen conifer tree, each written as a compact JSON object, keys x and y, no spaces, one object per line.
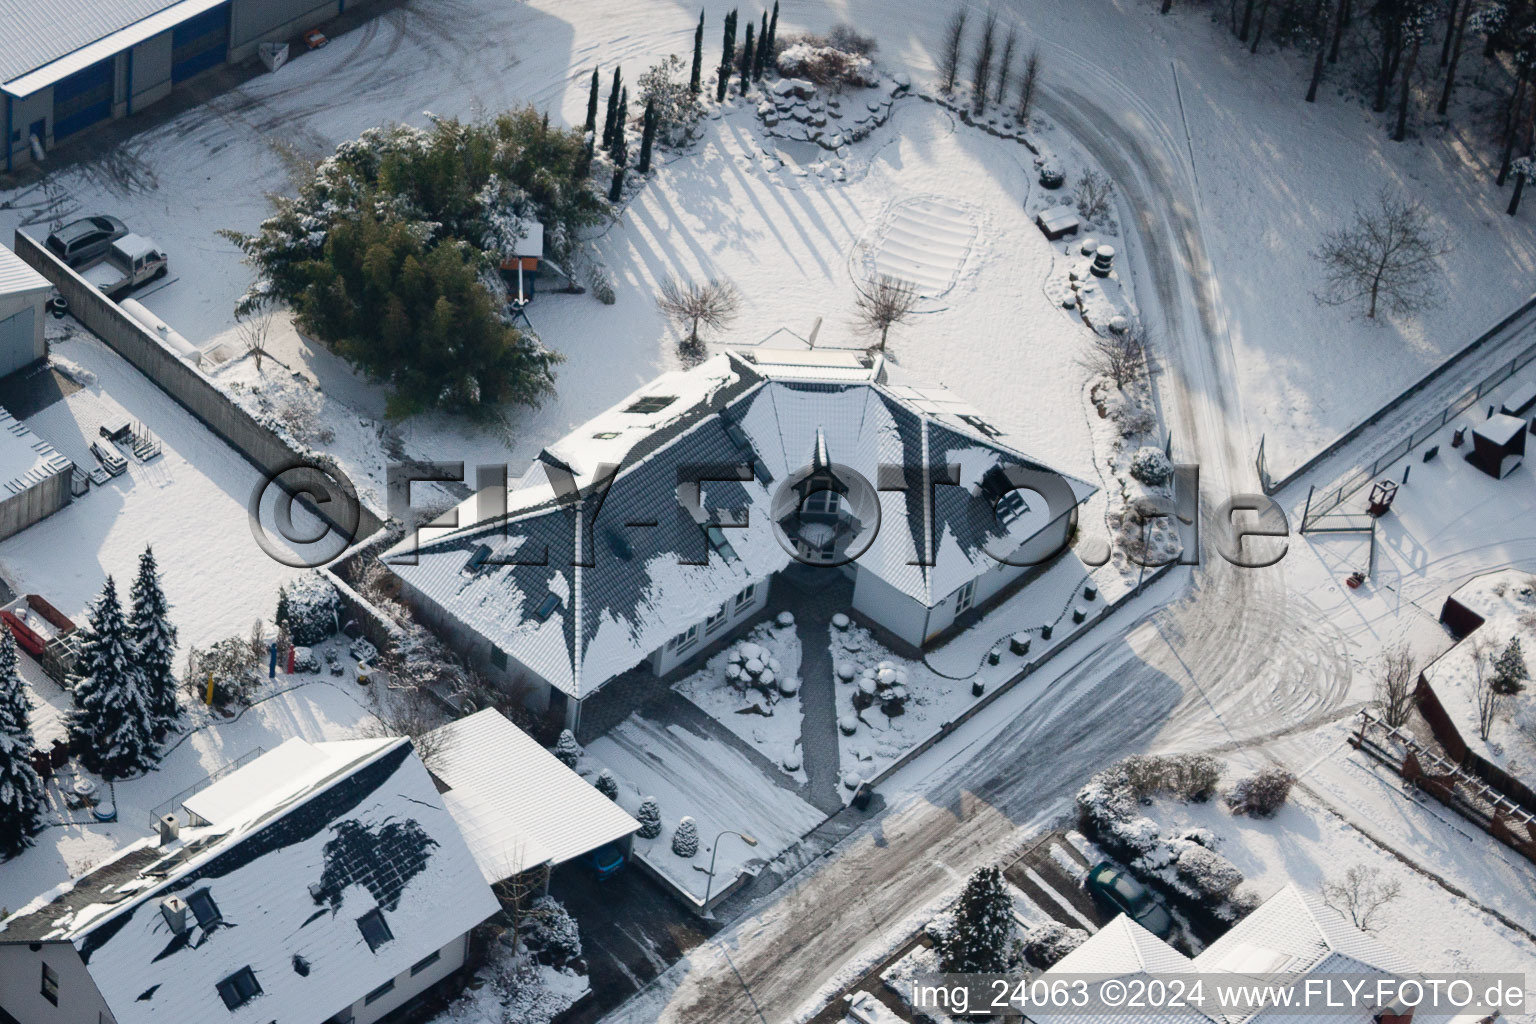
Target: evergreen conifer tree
{"x":694,"y":79}
{"x":607,"y":784}
{"x":154,"y":644}
{"x":613,"y":109}
{"x":983,"y":927}
{"x":748,"y":57}
{"x":685,"y":841}
{"x":616,"y":188}
{"x":727,"y":57}
{"x":648,"y":137}
{"x":764,"y":54}
{"x":620,"y":148}
{"x":21,"y":789}
{"x":112,"y":727}
{"x":592,"y":104}
{"x":1509,"y":671}
{"x":567,"y":749}
{"x":649,"y":817}
{"x":773,"y":30}
{"x":584,"y":164}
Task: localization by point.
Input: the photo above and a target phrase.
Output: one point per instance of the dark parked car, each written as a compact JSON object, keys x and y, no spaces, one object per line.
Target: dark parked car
{"x":1112,"y":887}
{"x":606,"y":860}
{"x":81,"y":241}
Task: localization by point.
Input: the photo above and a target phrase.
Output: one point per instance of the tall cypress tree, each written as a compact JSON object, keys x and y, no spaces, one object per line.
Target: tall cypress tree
{"x":727,"y":58}
{"x":620,"y":148}
{"x":773,"y":29}
{"x":698,"y":57}
{"x":584,"y":164}
{"x":592,"y":104}
{"x":154,"y":644}
{"x":747,"y":57}
{"x":112,"y":727}
{"x":648,"y":137}
{"x":616,"y":189}
{"x":613,"y":108}
{"x":764,"y":53}
{"x":21,"y":788}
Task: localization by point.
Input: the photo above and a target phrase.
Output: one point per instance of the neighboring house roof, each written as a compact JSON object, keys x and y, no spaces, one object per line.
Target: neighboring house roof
{"x":83,"y":31}
{"x":512,"y":579}
{"x":25,"y":458}
{"x":361,"y":828}
{"x":517,"y":804}
{"x":16,"y":275}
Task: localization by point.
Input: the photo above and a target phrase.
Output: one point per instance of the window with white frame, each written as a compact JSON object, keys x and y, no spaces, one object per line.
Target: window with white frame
{"x":715,"y":621}
{"x":685,"y":639}
{"x":965,"y":597}
{"x":746,"y":597}
{"x":822,"y":502}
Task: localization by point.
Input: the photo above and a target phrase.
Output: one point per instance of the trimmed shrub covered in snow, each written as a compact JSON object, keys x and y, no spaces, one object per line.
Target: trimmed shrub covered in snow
{"x":818,"y":61}
{"x":567,"y":749}
{"x":607,"y":784}
{"x":551,"y":933}
{"x":1210,"y":874}
{"x":1262,"y":793}
{"x":649,"y":817}
{"x":308,"y":608}
{"x":1046,"y":944}
{"x":685,"y":841}
{"x":1151,"y":466}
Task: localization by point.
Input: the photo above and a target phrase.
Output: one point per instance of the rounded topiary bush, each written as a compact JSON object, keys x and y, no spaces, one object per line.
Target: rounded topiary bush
{"x":607,"y":784}
{"x":685,"y":841}
{"x":566,"y":748}
{"x":309,"y":608}
{"x":649,"y":817}
{"x":1151,"y":466}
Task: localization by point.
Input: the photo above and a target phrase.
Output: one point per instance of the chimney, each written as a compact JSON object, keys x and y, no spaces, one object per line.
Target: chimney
{"x":1394,"y":1013}
{"x":168,"y":828}
{"x":175,"y":910}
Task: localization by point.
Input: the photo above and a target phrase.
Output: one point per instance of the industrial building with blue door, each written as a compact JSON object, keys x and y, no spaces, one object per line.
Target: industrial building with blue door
{"x":66,"y":65}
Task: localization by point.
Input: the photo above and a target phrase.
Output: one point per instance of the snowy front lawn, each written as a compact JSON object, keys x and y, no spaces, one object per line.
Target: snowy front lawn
{"x":761,"y":713}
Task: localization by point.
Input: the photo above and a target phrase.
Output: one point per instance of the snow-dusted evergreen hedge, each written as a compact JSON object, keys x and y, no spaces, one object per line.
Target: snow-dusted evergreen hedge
{"x":309,"y":608}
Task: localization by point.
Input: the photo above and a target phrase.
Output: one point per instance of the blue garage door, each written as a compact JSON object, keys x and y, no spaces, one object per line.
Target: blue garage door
{"x":82,"y":99}
{"x":200,"y":43}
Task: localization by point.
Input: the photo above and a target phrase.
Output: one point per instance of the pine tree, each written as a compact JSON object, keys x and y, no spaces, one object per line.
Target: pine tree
{"x":649,"y":817}
{"x":648,"y":137}
{"x":983,"y":927}
{"x":566,"y":748}
{"x":748,"y":55}
{"x":616,"y":187}
{"x":154,"y":644}
{"x":592,"y":104}
{"x":773,"y":30}
{"x":694,"y":79}
{"x":1509,"y":671}
{"x":21,"y":789}
{"x":727,"y":58}
{"x":112,"y":727}
{"x":685,"y":841}
{"x":607,"y":784}
{"x":764,"y":53}
{"x":613,"y":108}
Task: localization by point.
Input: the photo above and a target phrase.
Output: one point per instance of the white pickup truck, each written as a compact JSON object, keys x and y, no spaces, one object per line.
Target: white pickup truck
{"x":132,"y":260}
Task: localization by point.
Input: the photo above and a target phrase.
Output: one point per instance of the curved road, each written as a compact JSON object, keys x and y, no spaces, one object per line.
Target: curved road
{"x":1230,"y":662}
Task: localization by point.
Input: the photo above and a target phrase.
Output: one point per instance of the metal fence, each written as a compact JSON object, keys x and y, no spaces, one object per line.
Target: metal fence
{"x":1320,"y":504}
{"x":168,"y":806}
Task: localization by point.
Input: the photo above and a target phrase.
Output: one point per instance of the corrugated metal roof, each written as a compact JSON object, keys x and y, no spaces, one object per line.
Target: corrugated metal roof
{"x":15,"y":275}
{"x":25,"y":458}
{"x":40,"y":33}
{"x":516,"y":803}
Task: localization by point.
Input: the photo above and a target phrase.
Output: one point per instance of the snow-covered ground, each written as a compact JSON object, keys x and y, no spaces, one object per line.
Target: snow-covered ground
{"x":771,"y":725}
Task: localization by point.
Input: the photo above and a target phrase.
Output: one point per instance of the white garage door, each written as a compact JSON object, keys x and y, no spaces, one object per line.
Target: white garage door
{"x":16,"y":334}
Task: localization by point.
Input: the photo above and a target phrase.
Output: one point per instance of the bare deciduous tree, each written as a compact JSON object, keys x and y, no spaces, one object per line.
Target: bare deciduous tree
{"x":888,"y":302}
{"x":253,"y":328}
{"x":1394,"y":689}
{"x":981,"y":78}
{"x":406,"y":711}
{"x":1388,"y":255}
{"x":1027,"y":84}
{"x":1094,"y":191}
{"x":1005,"y":64}
{"x":949,"y":56}
{"x":1484,"y":693}
{"x":1361,"y":894}
{"x":713,"y":304}
{"x":1122,"y":355}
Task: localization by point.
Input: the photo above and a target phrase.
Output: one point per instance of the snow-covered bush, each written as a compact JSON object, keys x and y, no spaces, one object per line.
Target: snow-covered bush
{"x":1046,"y":944}
{"x":1262,"y":793}
{"x":607,"y":784}
{"x":1210,"y":874}
{"x":308,"y":608}
{"x":305,"y":660}
{"x":231,"y":666}
{"x":818,"y":61}
{"x":567,"y":749}
{"x":685,"y":841}
{"x":1151,"y":466}
{"x":649,"y":817}
{"x":549,"y":931}
{"x":1184,"y":776}
{"x":677,"y":108}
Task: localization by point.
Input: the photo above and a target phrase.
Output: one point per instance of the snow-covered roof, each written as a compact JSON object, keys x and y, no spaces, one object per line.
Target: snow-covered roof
{"x":25,"y":459}
{"x":18,"y":277}
{"x":517,"y":804}
{"x":45,"y":42}
{"x":580,"y":599}
{"x":289,"y":875}
{"x":1500,"y":428}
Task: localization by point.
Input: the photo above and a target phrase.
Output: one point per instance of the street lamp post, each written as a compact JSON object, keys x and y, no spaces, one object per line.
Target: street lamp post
{"x":749,"y":840}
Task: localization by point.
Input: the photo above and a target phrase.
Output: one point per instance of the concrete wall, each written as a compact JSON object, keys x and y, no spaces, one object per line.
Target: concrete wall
{"x":21,"y":982}
{"x":253,"y":22}
{"x":407,"y":986}
{"x":128,"y":338}
{"x":39,"y":501}
{"x":22,"y":354}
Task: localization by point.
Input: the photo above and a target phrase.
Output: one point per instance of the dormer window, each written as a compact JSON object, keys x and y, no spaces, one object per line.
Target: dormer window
{"x":651,"y":404}
{"x":239,"y":988}
{"x":204,"y":909}
{"x":375,"y":929}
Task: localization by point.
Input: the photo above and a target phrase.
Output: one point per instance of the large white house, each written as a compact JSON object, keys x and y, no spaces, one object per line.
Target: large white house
{"x":661,"y":525}
{"x":322,"y":882}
